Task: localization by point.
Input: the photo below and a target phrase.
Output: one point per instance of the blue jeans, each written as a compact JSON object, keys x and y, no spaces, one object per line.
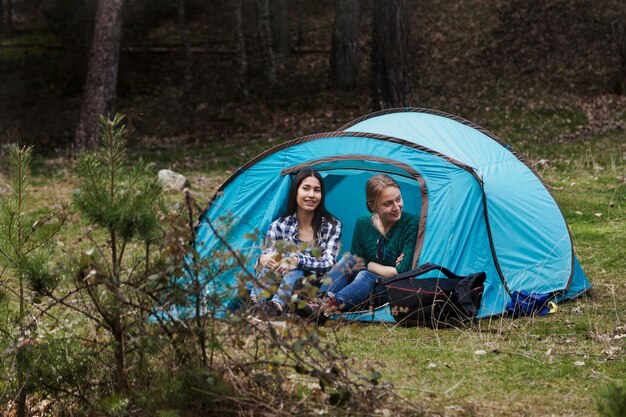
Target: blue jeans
{"x":285,"y":289}
{"x":358,"y":291}
{"x":341,"y":274}
{"x":351,"y":283}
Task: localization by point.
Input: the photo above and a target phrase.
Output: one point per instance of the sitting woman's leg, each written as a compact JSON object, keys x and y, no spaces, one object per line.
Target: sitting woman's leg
{"x":283,"y":294}
{"x":260,"y":284}
{"x":264,"y":285}
{"x":357,"y":291}
{"x":341,"y":274}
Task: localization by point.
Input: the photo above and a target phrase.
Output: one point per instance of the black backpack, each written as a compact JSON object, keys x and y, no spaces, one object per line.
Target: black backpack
{"x":433,"y":302}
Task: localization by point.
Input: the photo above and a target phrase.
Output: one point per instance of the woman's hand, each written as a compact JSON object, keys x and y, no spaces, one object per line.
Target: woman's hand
{"x":268,"y":261}
{"x":400,"y":258}
{"x":286,"y":265}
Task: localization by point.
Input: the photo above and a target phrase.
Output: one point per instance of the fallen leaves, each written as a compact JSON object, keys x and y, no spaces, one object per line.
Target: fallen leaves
{"x":611,"y":352}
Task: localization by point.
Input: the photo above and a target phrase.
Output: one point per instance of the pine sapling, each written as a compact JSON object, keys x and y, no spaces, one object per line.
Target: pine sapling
{"x":121,"y":204}
{"x":25,"y":253}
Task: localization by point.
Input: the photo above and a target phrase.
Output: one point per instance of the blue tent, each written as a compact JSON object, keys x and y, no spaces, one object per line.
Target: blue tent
{"x":481,"y":206}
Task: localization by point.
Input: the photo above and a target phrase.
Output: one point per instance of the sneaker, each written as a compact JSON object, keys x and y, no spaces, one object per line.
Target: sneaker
{"x":270,"y":309}
{"x":330,"y":306}
{"x":316,"y":312}
{"x":309,"y":311}
{"x":252,"y":308}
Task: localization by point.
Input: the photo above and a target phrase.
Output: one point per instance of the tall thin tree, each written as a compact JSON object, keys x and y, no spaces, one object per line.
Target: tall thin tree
{"x":618,"y":32}
{"x":101,"y":85}
{"x":391,"y":77}
{"x":265,"y":35}
{"x":183,"y":32}
{"x":299,"y":41}
{"x":345,"y":49}
{"x":1,"y":17}
{"x":9,"y":27}
{"x":240,"y":41}
{"x":281,"y":39}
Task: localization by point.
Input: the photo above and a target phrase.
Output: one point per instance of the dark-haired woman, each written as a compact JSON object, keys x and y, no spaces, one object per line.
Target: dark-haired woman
{"x":310,"y":238}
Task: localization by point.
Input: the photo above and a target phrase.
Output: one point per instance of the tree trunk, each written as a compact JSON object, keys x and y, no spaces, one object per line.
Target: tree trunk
{"x":117,"y":325}
{"x":100,"y":88}
{"x":279,"y":14}
{"x":184,"y":38}
{"x":22,"y":380}
{"x":300,"y":23}
{"x":20,"y":360}
{"x":390,"y":45}
{"x":265,"y":35}
{"x":619,"y":37}
{"x":1,"y":17}
{"x":344,"y":54}
{"x":200,"y":324}
{"x":240,"y":41}
{"x":21,"y":410}
{"x":121,"y":376}
{"x":9,"y":27}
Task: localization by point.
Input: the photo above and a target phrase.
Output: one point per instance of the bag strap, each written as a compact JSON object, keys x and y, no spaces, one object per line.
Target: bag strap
{"x":420,"y":270}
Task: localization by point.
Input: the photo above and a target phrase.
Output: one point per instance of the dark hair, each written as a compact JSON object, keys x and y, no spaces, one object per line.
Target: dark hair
{"x":320,"y":210}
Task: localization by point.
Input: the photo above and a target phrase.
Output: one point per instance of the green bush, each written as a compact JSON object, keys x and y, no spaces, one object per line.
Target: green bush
{"x":612,"y":400}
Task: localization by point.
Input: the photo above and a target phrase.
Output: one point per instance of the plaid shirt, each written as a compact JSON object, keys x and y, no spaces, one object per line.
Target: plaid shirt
{"x":286,"y":228}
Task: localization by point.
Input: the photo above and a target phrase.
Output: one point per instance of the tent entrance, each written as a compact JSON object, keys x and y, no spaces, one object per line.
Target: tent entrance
{"x":344,"y":182}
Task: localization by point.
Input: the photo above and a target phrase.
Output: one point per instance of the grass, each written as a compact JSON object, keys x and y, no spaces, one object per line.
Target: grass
{"x":500,"y":369}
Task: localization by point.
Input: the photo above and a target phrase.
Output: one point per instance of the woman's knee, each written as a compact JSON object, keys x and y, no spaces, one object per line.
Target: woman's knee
{"x":347,"y":265}
{"x":366,"y":277}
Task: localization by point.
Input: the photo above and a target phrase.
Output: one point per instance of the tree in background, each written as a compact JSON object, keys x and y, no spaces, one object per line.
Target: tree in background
{"x":391,"y":78}
{"x":100,"y":88}
{"x":240,"y":47}
{"x":265,"y":36}
{"x":9,"y":16}
{"x":6,"y":13}
{"x":184,"y":38}
{"x":618,"y":32}
{"x":1,"y":17}
{"x":345,"y":49}
{"x":281,"y":39}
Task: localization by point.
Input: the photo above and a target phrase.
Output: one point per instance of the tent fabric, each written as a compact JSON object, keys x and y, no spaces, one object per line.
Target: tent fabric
{"x":481,"y":206}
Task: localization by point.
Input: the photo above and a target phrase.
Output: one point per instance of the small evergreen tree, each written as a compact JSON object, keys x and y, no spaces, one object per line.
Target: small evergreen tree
{"x":612,"y":400}
{"x":25,"y":252}
{"x":121,"y":204}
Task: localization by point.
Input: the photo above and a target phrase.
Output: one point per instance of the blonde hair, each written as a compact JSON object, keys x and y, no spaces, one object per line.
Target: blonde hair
{"x":375,"y":185}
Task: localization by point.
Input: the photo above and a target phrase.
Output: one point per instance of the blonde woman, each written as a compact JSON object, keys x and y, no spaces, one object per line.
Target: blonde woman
{"x":382,"y":246}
